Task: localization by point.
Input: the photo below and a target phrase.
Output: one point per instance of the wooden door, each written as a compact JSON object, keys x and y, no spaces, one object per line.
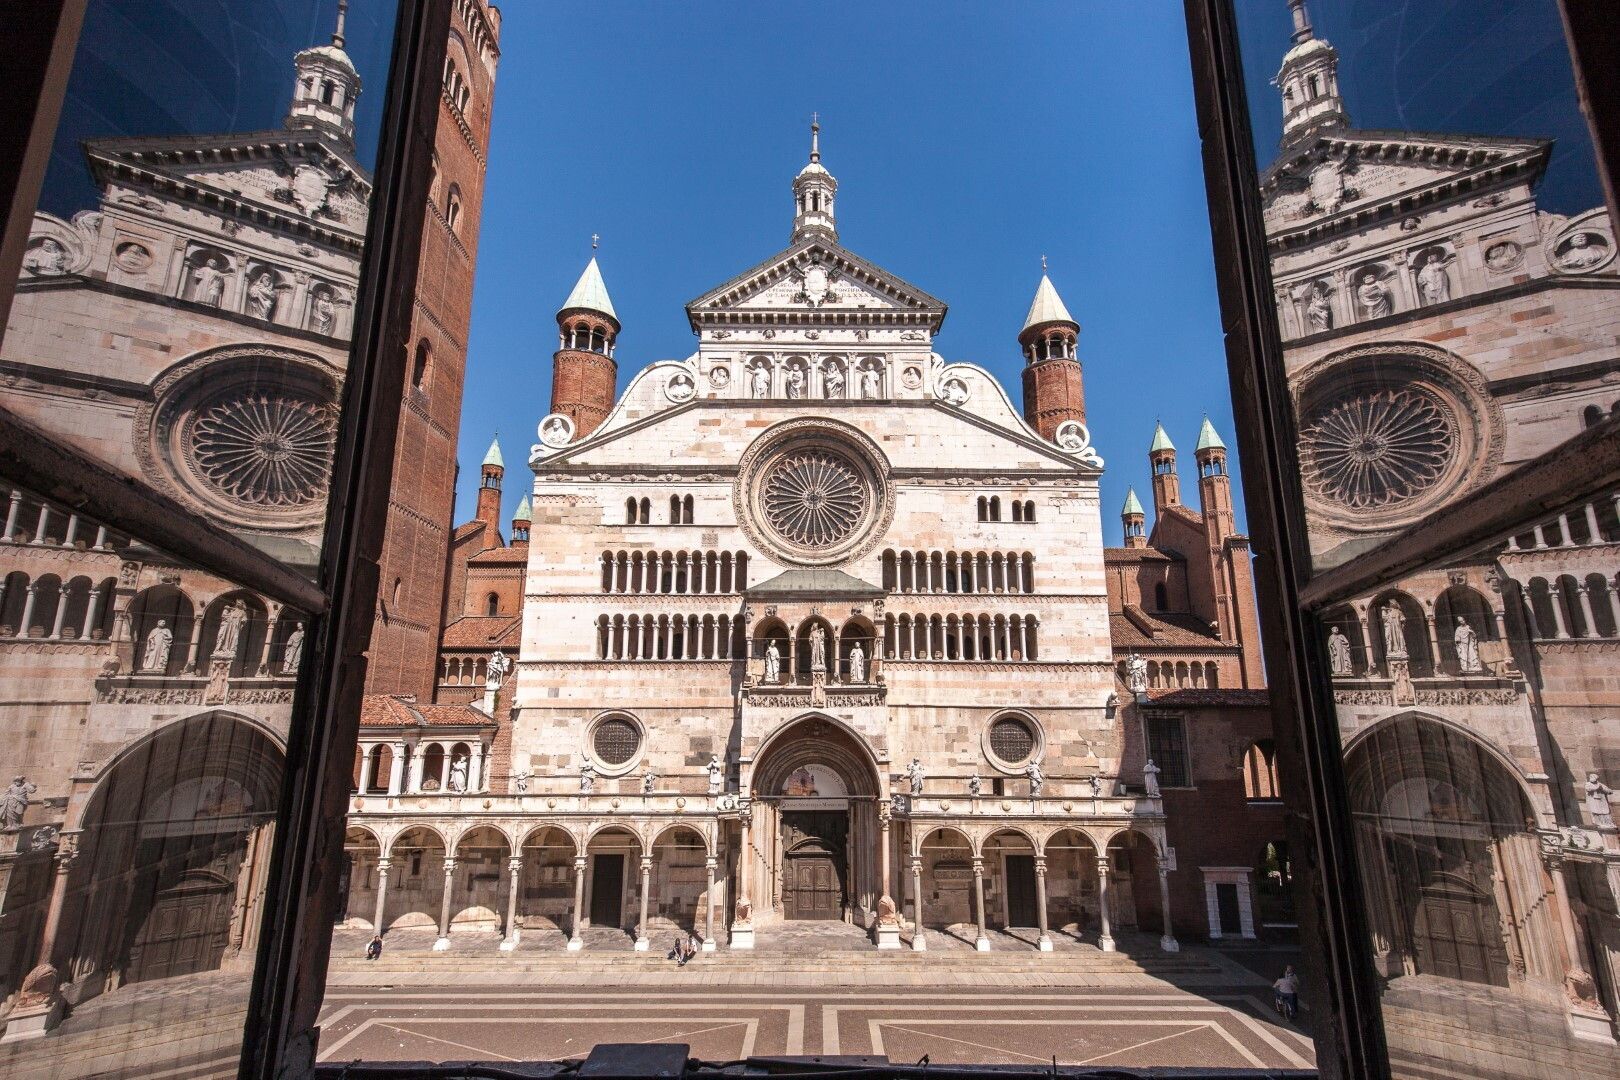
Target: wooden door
{"x":185,"y":930}
{"x":1021,"y":891}
{"x":811,"y":887}
{"x":607,"y":891}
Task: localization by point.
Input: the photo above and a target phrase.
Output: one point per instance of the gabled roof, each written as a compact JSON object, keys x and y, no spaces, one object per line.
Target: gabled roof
{"x":1047,"y":307}
{"x":403,"y":710}
{"x":814,"y":581}
{"x":590,"y":293}
{"x":1135,"y":626}
{"x":806,"y":252}
{"x":482,"y":632}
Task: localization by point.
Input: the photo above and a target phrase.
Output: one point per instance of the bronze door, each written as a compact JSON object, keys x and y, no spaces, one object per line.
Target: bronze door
{"x":185,"y":930}
{"x":814,"y":858}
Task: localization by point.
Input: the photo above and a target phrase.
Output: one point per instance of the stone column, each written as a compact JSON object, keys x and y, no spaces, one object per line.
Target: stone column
{"x":91,"y":613}
{"x":982,"y":942}
{"x":415,"y":785}
{"x":708,"y":899}
{"x":475,"y":770}
{"x":43,"y":523}
{"x":1614,"y":603}
{"x":1434,"y":644}
{"x":1556,"y":592}
{"x":1586,"y":609}
{"x":514,"y":864}
{"x":72,"y":533}
{"x":643,"y":937}
{"x":575,"y":941}
{"x":742,"y":923}
{"x":1529,"y":615}
{"x":101,"y":537}
{"x":396,"y":768}
{"x":1168,"y":942}
{"x":888,"y":920}
{"x":39,"y":1002}
{"x":1044,"y":943}
{"x":919,"y":943}
{"x":62,"y":598}
{"x":444,"y":905}
{"x":1574,"y":972}
{"x":28,"y":609}
{"x":11,"y":516}
{"x":382,"y":894}
{"x":1105,"y":938}
{"x":196,"y":639}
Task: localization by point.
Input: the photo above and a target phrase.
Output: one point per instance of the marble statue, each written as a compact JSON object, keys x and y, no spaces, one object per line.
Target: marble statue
{"x":1434,"y":280}
{"x":1096,"y":785}
{"x":1581,"y":253}
{"x":1394,"y":632}
{"x":795,"y":382}
{"x":292,"y":652}
{"x":833,"y":380}
{"x":760,"y":381}
{"x":14,"y":802}
{"x":49,"y":258}
{"x":649,"y":780}
{"x":1467,"y":643}
{"x":975,"y":785}
{"x":773,"y":662}
{"x":857,"y":663}
{"x":871,"y":384}
{"x":915,"y":774}
{"x":458,"y":774}
{"x":499,"y":665}
{"x":587,"y":779}
{"x":208,"y":283}
{"x":1597,"y":801}
{"x":1150,"y":778}
{"x":158,"y":644}
{"x":1036,"y":779}
{"x":229,"y":639}
{"x":1319,"y":309}
{"x":520,"y":781}
{"x":554,"y":432}
{"x":262,"y":295}
{"x":1136,"y":674}
{"x":716,"y":774}
{"x":1339,"y":653}
{"x":1373,"y":296}
{"x":325,"y":313}
{"x":818,"y":649}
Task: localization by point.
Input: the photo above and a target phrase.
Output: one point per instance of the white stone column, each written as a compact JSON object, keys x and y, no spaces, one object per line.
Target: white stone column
{"x":72,"y":533}
{"x":1586,"y":609}
{"x":91,"y":613}
{"x":1044,"y":943}
{"x":43,"y":521}
{"x":396,"y":768}
{"x":28,"y":609}
{"x":417,"y":755}
{"x":101,"y":537}
{"x":11,"y":515}
{"x":919,"y":942}
{"x":382,"y":894}
{"x":742,"y":923}
{"x":888,"y":921}
{"x":643,"y":935}
{"x":1167,"y":942}
{"x":709,"y":864}
{"x":1105,"y":937}
{"x":514,"y":866}
{"x":269,"y":638}
{"x":196,"y":639}
{"x":1555,"y":591}
{"x":62,"y":597}
{"x":444,"y":905}
{"x":575,"y":941}
{"x":982,"y":942}
{"x":475,"y":774}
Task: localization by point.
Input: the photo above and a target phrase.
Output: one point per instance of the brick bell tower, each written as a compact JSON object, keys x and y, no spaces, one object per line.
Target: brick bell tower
{"x":584,"y":375}
{"x":1053,"y":391}
{"x":1162,"y":459}
{"x":490,"y":475}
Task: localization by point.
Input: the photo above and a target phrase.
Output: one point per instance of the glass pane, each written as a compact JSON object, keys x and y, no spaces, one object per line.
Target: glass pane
{"x":1446,"y":288}
{"x":183,"y":319}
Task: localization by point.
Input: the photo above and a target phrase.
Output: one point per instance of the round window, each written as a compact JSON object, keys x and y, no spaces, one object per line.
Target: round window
{"x":812,"y":492}
{"x":615,"y":741}
{"x":1011,"y":740}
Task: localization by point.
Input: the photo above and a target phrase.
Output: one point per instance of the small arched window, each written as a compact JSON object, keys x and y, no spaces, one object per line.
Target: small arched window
{"x":646,"y":511}
{"x":452,"y":208}
{"x":419,"y":364}
{"x":492,"y":604}
{"x":329,"y":92}
{"x":1260,"y":771}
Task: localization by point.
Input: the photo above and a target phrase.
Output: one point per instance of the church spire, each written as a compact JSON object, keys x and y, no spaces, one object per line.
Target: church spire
{"x":813,"y":192}
{"x":1054,"y":391}
{"x":583,"y":372}
{"x":1309,"y":81}
{"x":326,"y":86}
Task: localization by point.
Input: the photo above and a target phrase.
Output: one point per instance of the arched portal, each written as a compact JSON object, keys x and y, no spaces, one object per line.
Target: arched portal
{"x":815,"y":835}
{"x":173,"y":855}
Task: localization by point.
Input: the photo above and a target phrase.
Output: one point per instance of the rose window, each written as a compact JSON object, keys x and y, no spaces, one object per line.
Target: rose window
{"x":1011,"y":741}
{"x":1379,"y":448}
{"x":814,"y":499}
{"x":264,"y":448}
{"x":616,"y":741}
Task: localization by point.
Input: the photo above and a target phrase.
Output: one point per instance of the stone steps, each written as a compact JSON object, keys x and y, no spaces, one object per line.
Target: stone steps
{"x":1494,"y":1037}
{"x":86,"y":1047}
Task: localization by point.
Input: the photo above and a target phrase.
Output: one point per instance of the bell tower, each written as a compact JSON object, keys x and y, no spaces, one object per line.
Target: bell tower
{"x":326,"y":87}
{"x":1162,"y":459}
{"x":1053,"y":388}
{"x":1134,"y":520}
{"x":489,"y":486}
{"x":584,"y":375}
{"x":813,"y":192}
{"x":1309,"y":81}
{"x":1214,"y":485}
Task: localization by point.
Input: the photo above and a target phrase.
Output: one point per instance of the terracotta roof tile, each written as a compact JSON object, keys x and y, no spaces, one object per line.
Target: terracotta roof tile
{"x":517,"y":556}
{"x":483,"y":632}
{"x":1145,"y":554}
{"x":1160,"y":629}
{"x":403,"y":710}
{"x":1192,"y":697}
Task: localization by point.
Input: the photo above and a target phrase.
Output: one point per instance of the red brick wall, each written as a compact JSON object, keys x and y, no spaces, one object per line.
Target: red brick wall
{"x":583,"y":385}
{"x":1053,"y":392}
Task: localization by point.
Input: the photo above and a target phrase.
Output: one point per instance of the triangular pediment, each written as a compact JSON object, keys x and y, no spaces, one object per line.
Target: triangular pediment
{"x":815,"y":277}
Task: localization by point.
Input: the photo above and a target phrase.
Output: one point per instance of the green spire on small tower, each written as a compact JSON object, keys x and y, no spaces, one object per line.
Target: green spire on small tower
{"x":1161,"y":441}
{"x":1208,"y":439}
{"x":494,"y":456}
{"x":1133,"y":505}
{"x":524,"y":513}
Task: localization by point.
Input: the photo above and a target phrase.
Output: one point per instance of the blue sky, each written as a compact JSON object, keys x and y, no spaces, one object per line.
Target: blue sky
{"x":968,"y":140}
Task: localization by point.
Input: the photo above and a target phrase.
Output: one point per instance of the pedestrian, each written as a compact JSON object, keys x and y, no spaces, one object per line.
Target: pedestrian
{"x":374,"y":947}
{"x":684,"y":950}
{"x":1287,"y":989}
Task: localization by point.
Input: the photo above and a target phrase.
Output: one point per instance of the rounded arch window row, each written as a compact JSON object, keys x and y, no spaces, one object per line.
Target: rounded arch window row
{"x":959,"y":571}
{"x":1018,"y":511}
{"x":463,"y":670}
{"x":670,"y":637}
{"x":1459,"y":632}
{"x":32,"y":520}
{"x":173,"y":636}
{"x":1571,"y":606}
{"x":1593,"y":523}
{"x":583,"y":333}
{"x":388,"y":767}
{"x":966,"y":637}
{"x":674,"y":572}
{"x":1178,"y":674}
{"x":639,"y":511}
{"x":47,"y":607}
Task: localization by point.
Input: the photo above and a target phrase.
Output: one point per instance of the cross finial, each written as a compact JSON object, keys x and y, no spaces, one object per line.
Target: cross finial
{"x":594,"y":240}
{"x":1043,"y":264}
{"x":815,"y":136}
{"x":342,"y":13}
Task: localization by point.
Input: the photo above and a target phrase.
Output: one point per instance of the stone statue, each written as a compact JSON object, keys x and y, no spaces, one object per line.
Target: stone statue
{"x":761,"y":381}
{"x":14,"y":802}
{"x":871,"y":383}
{"x":975,"y":785}
{"x":458,"y":774}
{"x":1339,"y":653}
{"x":1394,"y":632}
{"x":208,"y":283}
{"x":773,"y":662}
{"x":1036,"y":780}
{"x":262,"y":295}
{"x":587,"y":779}
{"x":716,"y":774}
{"x":795,"y":382}
{"x":1581,"y":253}
{"x":48,"y":259}
{"x":1467,"y":643}
{"x":818,"y":649}
{"x":231,"y":621}
{"x":914,"y":772}
{"x":292,"y":653}
{"x":324,"y":314}
{"x":1096,"y":785}
{"x":1319,"y":309}
{"x":1150,"y":778}
{"x":833,"y":380}
{"x":1433,"y":280}
{"x":1373,"y":296}
{"x":1136,"y":675}
{"x":520,"y":782}
{"x":649,"y":780}
{"x":499,"y":665}
{"x":857,"y":663}
{"x":1597,"y":801}
{"x":158,"y":644}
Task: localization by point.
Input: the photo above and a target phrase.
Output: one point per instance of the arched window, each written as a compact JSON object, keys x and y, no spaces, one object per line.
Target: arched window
{"x":995,"y":508}
{"x":646,"y":511}
{"x":629,"y":511}
{"x":419,"y":365}
{"x":1161,"y":597}
{"x":452,"y":208}
{"x":1029,"y":510}
{"x":492,"y":604}
{"x":1260,"y":771}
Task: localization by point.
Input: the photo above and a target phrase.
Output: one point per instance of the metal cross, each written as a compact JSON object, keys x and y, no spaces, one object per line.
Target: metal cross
{"x":594,"y":239}
{"x":1043,"y":264}
{"x":815,"y":118}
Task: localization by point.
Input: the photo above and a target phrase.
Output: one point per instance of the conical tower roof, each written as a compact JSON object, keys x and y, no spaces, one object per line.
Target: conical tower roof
{"x":1207,"y":439}
{"x":1133,"y":505}
{"x":1161,"y":441}
{"x":524,"y":513}
{"x":494,"y":456}
{"x":590,"y":293}
{"x":1048,"y":306}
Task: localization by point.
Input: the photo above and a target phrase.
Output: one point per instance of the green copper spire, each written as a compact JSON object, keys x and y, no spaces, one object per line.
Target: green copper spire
{"x":1161,"y":441}
{"x":524,"y":513}
{"x":1133,"y":505}
{"x":1207,"y":439}
{"x":494,"y":456}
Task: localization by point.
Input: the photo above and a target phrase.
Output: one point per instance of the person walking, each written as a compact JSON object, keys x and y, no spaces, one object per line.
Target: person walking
{"x":374,"y":947}
{"x":1287,"y":990}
